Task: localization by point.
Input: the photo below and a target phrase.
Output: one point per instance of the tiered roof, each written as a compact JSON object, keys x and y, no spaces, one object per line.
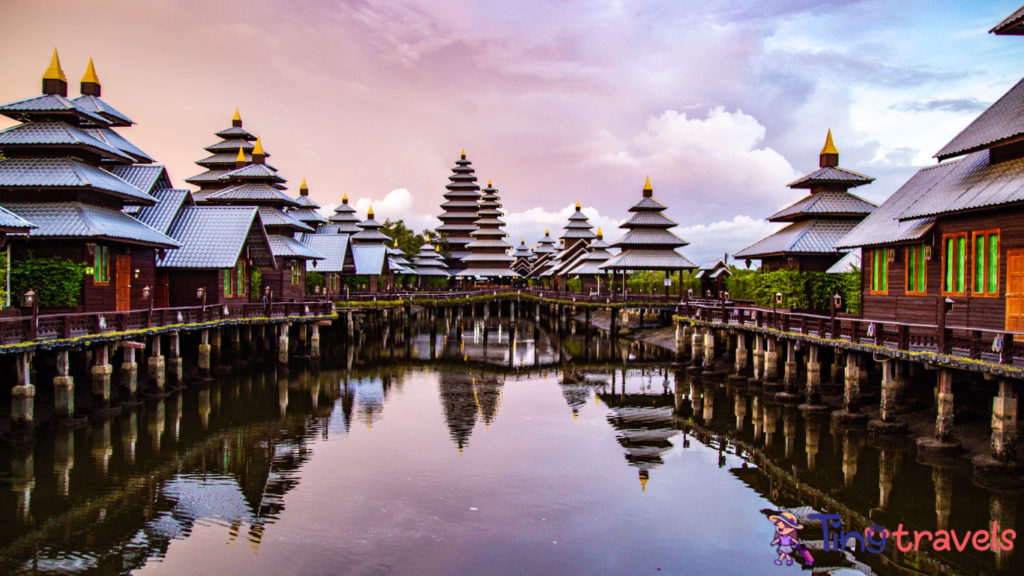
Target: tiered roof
{"x":224,"y":156}
{"x":345,"y":218}
{"x":545,"y":251}
{"x":590,"y":262}
{"x":52,"y":174}
{"x":818,"y":221}
{"x":488,"y":251}
{"x":523,"y":256}
{"x":397,"y":261}
{"x":369,"y":247}
{"x":460,"y":211}
{"x":307,"y":210}
{"x":575,"y":239}
{"x":428,"y":261}
{"x":648,"y":245}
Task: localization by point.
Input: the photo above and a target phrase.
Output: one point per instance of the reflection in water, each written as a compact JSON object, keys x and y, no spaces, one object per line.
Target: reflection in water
{"x":263,"y":471}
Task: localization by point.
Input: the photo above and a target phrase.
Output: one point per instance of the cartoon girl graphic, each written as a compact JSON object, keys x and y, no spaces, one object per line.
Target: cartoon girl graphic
{"x":786,"y":542}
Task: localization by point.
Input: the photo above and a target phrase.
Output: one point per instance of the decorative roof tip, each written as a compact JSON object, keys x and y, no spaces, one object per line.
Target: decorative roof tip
{"x":647,"y":186}
{"x":369,"y":213}
{"x":547,"y":231}
{"x":428,"y":237}
{"x":396,"y":242}
{"x":437,"y":247}
{"x":599,"y":231}
{"x":90,"y":74}
{"x":236,"y":116}
{"x":303,"y":186}
{"x":344,"y":198}
{"x":241,"y":155}
{"x":829,"y":148}
{"x":54,"y":72}
{"x":258,"y":149}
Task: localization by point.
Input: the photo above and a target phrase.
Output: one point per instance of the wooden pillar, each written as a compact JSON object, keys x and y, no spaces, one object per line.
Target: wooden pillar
{"x":1004,"y":423}
{"x":23,"y":399}
{"x":709,"y":349}
{"x":943,"y":443}
{"x":282,"y":344}
{"x":129,"y":373}
{"x":204,"y":353}
{"x":175,"y":364}
{"x":771,"y":361}
{"x":741,"y":352}
{"x":157,"y":366}
{"x":101,"y":372}
{"x":63,"y":388}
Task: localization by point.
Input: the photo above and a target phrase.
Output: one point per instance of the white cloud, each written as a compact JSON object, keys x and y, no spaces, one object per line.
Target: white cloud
{"x":397,"y":205}
{"x":710,"y":241}
{"x":532,"y":223}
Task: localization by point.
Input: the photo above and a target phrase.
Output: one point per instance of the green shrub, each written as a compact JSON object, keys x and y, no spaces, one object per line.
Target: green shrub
{"x":807,"y":290}
{"x":56,"y":281}
{"x":314,"y":280}
{"x":256,"y":282}
{"x":574,"y":285}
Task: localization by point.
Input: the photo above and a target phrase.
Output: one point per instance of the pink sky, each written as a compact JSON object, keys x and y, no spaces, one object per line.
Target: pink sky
{"x":554,"y":101}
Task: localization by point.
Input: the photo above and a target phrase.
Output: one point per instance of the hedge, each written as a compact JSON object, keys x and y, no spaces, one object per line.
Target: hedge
{"x":56,"y":281}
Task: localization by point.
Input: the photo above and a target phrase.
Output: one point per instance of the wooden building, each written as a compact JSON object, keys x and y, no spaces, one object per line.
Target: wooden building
{"x":428,"y":263}
{"x":60,"y":173}
{"x":955,"y":231}
{"x":815,"y":223}
{"x":488,"y":256}
{"x":370,"y":254}
{"x":712,"y":275}
{"x":462,"y":201}
{"x":306,"y":212}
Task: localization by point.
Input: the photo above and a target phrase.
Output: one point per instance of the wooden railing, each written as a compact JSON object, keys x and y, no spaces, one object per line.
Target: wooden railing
{"x":43,"y":328}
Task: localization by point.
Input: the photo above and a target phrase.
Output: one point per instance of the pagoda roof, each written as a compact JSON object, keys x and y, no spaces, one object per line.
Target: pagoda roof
{"x":369,"y":258}
{"x":369,"y":236}
{"x":307,"y":214}
{"x":649,"y":219}
{"x":1002,"y":122}
{"x":824,"y":203}
{"x":160,"y":216}
{"x":654,"y":237}
{"x":458,"y":215}
{"x":307,"y":202}
{"x":591,"y":263}
{"x":817,"y":236}
{"x":98,"y":106}
{"x":227,"y":159}
{"x":67,"y":173}
{"x":235,"y":132}
{"x":121,"y":143}
{"x":51,"y":105}
{"x":489,"y":272}
{"x":460,"y":204}
{"x":488,"y":258}
{"x":648,"y":260}
{"x":232,"y":145}
{"x":249,"y":193}
{"x":328,"y":229}
{"x":12,"y":223}
{"x":333,"y":247}
{"x":522,"y":251}
{"x":648,"y":203}
{"x":456,"y":228}
{"x":214,"y":236}
{"x":288,"y":247}
{"x":488,"y":222}
{"x":273,"y":216}
{"x":253,"y":172}
{"x":831,"y":175}
{"x":59,"y":134}
{"x":78,"y":220}
{"x":488,"y":243}
{"x":578,"y":234}
{"x":208,"y":176}
{"x":1011,"y":25}
{"x":145,"y":177}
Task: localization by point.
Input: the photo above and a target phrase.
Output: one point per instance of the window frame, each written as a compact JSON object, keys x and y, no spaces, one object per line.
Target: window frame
{"x":226,"y":289}
{"x":240,"y":278}
{"x":883,"y":276}
{"x":101,"y":266}
{"x":945,"y":264}
{"x":985,"y":234}
{"x":921,"y":259}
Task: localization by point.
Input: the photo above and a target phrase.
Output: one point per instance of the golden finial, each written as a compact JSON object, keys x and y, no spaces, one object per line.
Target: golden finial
{"x":90,"y":74}
{"x":547,"y":231}
{"x":259,"y":147}
{"x":599,"y":231}
{"x":236,"y":116}
{"x":488,"y":182}
{"x":577,"y":204}
{"x":303,"y":187}
{"x":369,"y":213}
{"x":396,"y":242}
{"x":345,"y":196}
{"x":428,"y":237}
{"x":829,"y":148}
{"x":463,"y":151}
{"x":437,"y":248}
{"x":241,"y":155}
{"x":54,"y":72}
{"x":575,"y":415}
{"x":523,"y":241}
{"x":643,"y":484}
{"x":648,"y":185}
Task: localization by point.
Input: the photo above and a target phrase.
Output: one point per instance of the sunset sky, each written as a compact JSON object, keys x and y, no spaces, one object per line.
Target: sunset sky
{"x":722,"y":103}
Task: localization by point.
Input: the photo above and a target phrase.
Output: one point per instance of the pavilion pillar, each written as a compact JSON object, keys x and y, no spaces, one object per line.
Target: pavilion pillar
{"x":1004,"y":423}
{"x":791,"y":374}
{"x":838,"y":365}
{"x":899,"y":382}
{"x":697,"y":343}
{"x":349,"y":325}
{"x":157,"y":367}
{"x":282,"y":344}
{"x":175,"y":364}
{"x":204,"y":353}
{"x":887,"y":425}
{"x":23,"y":398}
{"x":758,"y":358}
{"x":851,"y":394}
{"x":314,"y":345}
{"x":101,"y":372}
{"x":943,"y":443}
{"x":63,"y":388}
{"x":680,"y":340}
{"x":129,"y":374}
{"x":215,"y":341}
{"x":741,"y":352}
{"x":771,"y":361}
{"x":813,"y":375}
{"x":709,"y":349}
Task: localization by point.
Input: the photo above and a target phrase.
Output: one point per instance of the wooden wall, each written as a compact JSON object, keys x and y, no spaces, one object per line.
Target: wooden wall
{"x":970,"y":311}
{"x":280,"y":281}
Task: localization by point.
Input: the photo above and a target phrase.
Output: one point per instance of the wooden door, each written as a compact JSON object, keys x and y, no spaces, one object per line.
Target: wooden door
{"x":1015,"y":291}
{"x":161,"y":296}
{"x":124,"y":283}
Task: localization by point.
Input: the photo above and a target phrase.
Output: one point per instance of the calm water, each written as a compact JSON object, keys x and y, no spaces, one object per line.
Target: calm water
{"x":438,"y":455}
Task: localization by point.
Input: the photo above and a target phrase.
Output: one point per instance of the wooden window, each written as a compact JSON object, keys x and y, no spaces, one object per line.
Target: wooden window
{"x":101,"y":268}
{"x":227,"y":282}
{"x":880,"y":271}
{"x":296,"y":274}
{"x":917,"y":270}
{"x":986,"y":263}
{"x":240,"y":282}
{"x":954,"y":258}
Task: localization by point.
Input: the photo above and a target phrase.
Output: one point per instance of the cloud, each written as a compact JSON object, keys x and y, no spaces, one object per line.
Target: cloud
{"x":396,"y":205}
{"x":954,"y":105}
{"x":711,"y":241}
{"x":531,"y":224}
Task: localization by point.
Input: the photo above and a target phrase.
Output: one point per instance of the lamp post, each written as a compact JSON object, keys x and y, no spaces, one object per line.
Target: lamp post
{"x":775,"y":308}
{"x":837,"y":304}
{"x":32,"y":302}
{"x":201,"y":294}
{"x":147,"y":293}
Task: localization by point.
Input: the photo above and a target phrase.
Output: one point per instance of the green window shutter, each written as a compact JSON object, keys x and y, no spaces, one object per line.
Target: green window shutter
{"x":874,"y":270}
{"x":993,"y":264}
{"x":885,"y":270}
{"x":912,"y":271}
{"x":979,"y":263}
{"x":961,"y":253}
{"x":922,"y":282}
{"x":950,"y":264}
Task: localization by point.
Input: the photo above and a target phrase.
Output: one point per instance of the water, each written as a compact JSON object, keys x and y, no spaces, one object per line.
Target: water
{"x":435,"y":456}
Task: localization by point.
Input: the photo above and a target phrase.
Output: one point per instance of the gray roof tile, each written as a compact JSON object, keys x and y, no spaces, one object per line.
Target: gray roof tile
{"x":145,"y":177}
{"x":307,"y":215}
{"x":333,"y":247}
{"x":806,"y":237}
{"x":48,"y":104}
{"x":208,"y":176}
{"x":824,"y":203}
{"x":1011,"y":24}
{"x":78,"y":220}
{"x":831,"y":174}
{"x":849,"y":263}
{"x":100,"y":107}
{"x":57,"y":133}
{"x":251,"y":192}
{"x":235,"y":132}
{"x":160,"y":216}
{"x":489,"y":272}
{"x":210,"y":236}
{"x":11,"y":222}
{"x":648,"y":260}
{"x":369,"y":258}
{"x":276,"y":217}
{"x":231,"y":145}
{"x":253,"y":172}
{"x":288,"y":247}
{"x":1002,"y":121}
{"x":972,"y":184}
{"x":654,"y":237}
{"x":118,"y":141}
{"x":66,"y":173}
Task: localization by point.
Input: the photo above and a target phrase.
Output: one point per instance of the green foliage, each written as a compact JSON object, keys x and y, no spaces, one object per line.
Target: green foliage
{"x":354,"y":282}
{"x":256,"y":282}
{"x":802,"y":290}
{"x":314,"y":280}
{"x":3,"y":277}
{"x":409,"y":242}
{"x":437,"y":282}
{"x":574,"y":285}
{"x":56,"y":281}
{"x":653,"y":282}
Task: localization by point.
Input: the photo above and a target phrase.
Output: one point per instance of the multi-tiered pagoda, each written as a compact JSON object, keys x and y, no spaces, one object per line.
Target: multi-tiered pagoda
{"x":253,"y":183}
{"x":370,"y":252}
{"x":428,"y":262}
{"x":223,"y":157}
{"x":488,"y":256}
{"x":588,"y":265}
{"x":575,"y":239}
{"x":462,"y":202}
{"x":58,"y":175}
{"x":817,"y":222}
{"x":544,"y":251}
{"x":306,"y":212}
{"x":523,"y":256}
{"x":344,"y":220}
{"x":648,"y":245}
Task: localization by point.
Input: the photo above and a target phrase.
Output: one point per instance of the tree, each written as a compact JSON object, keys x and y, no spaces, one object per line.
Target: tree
{"x":409,"y":242}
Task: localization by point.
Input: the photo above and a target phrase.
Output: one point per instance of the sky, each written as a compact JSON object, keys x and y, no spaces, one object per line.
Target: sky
{"x":720,"y":103}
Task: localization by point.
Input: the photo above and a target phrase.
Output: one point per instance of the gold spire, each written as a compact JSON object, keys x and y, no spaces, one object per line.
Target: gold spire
{"x":236,"y":116}
{"x":345,"y":196}
{"x":643,"y":484}
{"x":303,"y":187}
{"x":599,"y":231}
{"x":428,"y":237}
{"x":577,"y":204}
{"x":90,"y":74}
{"x":829,"y":148}
{"x":463,"y":151}
{"x":437,"y":248}
{"x":241,"y":155}
{"x":369,"y":213}
{"x":396,"y":242}
{"x":54,"y":72}
{"x":547,"y":231}
{"x":488,"y":182}
{"x":259,"y":147}
{"x":647,"y":186}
